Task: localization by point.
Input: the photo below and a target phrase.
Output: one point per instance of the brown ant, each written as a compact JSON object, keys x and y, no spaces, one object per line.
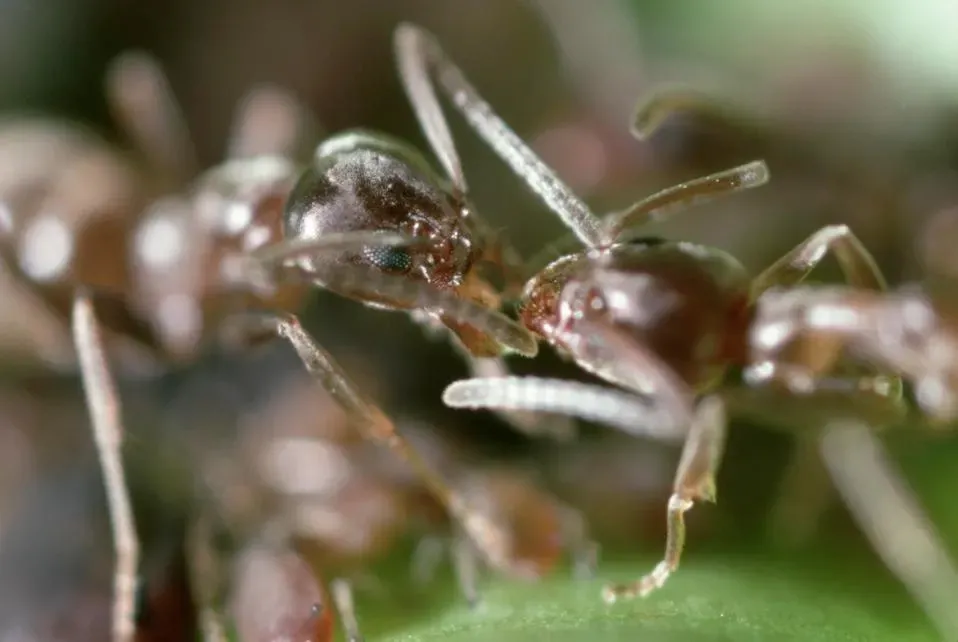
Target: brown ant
{"x":666,"y":320}
{"x":343,"y":504}
{"x":268,"y":591}
{"x":194,"y":261}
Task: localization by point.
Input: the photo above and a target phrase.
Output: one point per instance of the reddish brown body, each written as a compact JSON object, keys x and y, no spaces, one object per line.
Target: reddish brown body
{"x":687,"y":303}
{"x":276,"y":596}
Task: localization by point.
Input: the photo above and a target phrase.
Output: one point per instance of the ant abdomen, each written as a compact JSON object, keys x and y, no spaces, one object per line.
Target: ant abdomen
{"x":364,"y":181}
{"x":67,"y":203}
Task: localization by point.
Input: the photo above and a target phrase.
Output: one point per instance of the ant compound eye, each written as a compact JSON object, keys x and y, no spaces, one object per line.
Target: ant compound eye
{"x":389,"y":259}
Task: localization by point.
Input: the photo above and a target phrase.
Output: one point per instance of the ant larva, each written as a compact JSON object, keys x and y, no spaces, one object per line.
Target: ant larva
{"x":666,"y":320}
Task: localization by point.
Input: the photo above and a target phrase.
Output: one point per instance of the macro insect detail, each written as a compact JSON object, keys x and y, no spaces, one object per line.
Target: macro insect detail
{"x":190,"y":261}
{"x":665,"y":321}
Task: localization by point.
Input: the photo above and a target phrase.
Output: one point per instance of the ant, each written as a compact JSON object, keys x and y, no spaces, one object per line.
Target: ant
{"x":667,"y":320}
{"x":269,"y":591}
{"x":197,"y":263}
{"x":343,"y":504}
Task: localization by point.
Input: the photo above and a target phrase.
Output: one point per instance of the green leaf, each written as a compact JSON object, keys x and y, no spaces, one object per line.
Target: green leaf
{"x":713,"y":597}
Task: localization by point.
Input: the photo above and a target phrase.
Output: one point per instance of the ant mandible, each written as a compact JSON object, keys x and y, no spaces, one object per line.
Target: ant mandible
{"x":662,"y":319}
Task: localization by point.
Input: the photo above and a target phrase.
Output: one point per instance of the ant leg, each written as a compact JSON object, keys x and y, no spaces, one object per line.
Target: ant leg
{"x":342,"y":594}
{"x":268,"y":122}
{"x":575,"y":535}
{"x":104,"y":406}
{"x":861,"y":271}
{"x":375,"y":426}
{"x":421,"y":62}
{"x":694,"y":480}
{"x":626,"y":411}
{"x":426,"y":557}
{"x":205,"y":580}
{"x":856,"y":262}
{"x":558,"y":427}
{"x":143,"y":103}
{"x":892,"y":519}
{"x":466,"y":566}
{"x":679,"y":197}
{"x":804,"y":495}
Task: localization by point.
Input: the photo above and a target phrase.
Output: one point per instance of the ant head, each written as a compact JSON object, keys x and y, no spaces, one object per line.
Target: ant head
{"x":539,"y":306}
{"x":360,"y":181}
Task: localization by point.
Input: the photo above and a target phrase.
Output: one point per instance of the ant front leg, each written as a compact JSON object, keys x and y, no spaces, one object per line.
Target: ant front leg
{"x":103,"y":404}
{"x":694,"y":481}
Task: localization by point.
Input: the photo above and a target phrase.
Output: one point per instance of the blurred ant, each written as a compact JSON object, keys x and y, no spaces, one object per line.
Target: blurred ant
{"x":198,"y":263}
{"x":343,"y":504}
{"x":666,"y":320}
{"x":267,"y":592}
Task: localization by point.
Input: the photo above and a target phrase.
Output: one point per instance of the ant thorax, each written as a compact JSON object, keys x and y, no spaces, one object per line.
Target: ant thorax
{"x":360,"y":181}
{"x":189,"y":254}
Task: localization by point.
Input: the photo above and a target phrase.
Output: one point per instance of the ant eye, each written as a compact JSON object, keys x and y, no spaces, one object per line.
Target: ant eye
{"x":389,"y":259}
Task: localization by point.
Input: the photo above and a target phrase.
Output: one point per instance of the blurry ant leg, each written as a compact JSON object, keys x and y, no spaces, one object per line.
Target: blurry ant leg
{"x":561,"y":428}
{"x":856,"y":262}
{"x":426,"y":557}
{"x":206,"y":580}
{"x":378,"y":428}
{"x":891,"y":518}
{"x":143,"y":102}
{"x":422,"y":62}
{"x":103,"y":404}
{"x":575,"y":536}
{"x":679,"y":197}
{"x":268,"y":122}
{"x":694,"y":480}
{"x":804,"y":495}
{"x":466,"y":567}
{"x":342,"y":594}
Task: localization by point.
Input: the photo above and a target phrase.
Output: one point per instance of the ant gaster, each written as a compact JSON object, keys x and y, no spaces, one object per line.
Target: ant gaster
{"x":666,"y":321}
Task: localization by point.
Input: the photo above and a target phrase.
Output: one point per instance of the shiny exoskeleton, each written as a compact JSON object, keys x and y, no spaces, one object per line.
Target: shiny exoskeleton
{"x":666,"y":320}
{"x":688,"y":302}
{"x":168,"y":263}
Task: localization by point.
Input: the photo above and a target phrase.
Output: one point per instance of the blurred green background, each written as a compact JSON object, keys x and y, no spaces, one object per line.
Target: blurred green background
{"x":853,"y":104}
